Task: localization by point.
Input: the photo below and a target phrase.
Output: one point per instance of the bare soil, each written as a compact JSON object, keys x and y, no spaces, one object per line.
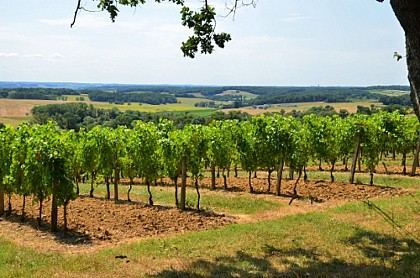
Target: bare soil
{"x":95,"y":223}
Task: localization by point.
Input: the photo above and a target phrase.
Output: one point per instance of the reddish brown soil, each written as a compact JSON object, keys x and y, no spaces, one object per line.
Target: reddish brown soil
{"x":97,"y":223}
{"x":313,"y":190}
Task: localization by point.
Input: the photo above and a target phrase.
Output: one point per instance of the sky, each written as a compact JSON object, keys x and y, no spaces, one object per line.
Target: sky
{"x":277,"y":43}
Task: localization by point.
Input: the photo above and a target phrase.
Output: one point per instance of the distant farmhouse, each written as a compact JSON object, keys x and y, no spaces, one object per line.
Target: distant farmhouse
{"x":264,"y":106}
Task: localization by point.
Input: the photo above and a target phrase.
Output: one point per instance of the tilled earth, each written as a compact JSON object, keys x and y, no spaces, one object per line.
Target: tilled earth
{"x":96,"y":223}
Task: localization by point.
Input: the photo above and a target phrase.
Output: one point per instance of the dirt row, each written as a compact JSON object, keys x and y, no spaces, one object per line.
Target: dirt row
{"x":97,"y":223}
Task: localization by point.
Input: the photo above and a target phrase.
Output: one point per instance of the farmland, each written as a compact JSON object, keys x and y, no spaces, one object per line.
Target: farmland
{"x":320,"y":224}
{"x":304,"y":106}
{"x":15,"y":111}
{"x":262,"y":237}
{"x":301,"y":221}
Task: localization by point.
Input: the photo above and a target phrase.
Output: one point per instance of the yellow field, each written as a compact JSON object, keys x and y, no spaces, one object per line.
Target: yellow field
{"x":303,"y":106}
{"x":248,"y":95}
{"x":184,"y":104}
{"x":393,"y":93}
{"x":15,"y":111}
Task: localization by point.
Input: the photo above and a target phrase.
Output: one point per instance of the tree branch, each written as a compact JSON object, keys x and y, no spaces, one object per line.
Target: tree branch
{"x":75,"y":13}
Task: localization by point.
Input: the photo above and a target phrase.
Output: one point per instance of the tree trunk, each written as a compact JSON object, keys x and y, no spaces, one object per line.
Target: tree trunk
{"x":224,"y":179}
{"x":416,"y":158}
{"x":76,"y":181}
{"x":150,"y":193}
{"x":116,"y":180}
{"x":129,"y":189}
{"x":1,"y":198}
{"x":291,"y":172}
{"x":65,"y":216}
{"x":386,"y":168}
{"x":213,"y":176}
{"x":355,"y":158}
{"x":332,"y":170}
{"x":176,"y":190}
{"x":198,"y":194}
{"x":9,"y":205}
{"x":183,"y":184}
{"x":39,"y":220}
{"x":404,"y":162}
{"x":54,"y":207}
{"x":236,"y":171}
{"x":251,"y":190}
{"x":346,"y":160}
{"x":407,"y":13}
{"x":295,"y":195}
{"x":371,"y":178}
{"x":108,"y":192}
{"x":22,"y":217}
{"x":269,"y":179}
{"x":92,"y":179}
{"x":279,"y":177}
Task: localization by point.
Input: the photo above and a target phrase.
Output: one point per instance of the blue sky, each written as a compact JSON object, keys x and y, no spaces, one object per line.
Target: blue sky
{"x":280,"y":42}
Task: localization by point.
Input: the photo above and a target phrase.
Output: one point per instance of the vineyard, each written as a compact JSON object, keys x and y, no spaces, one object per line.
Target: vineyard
{"x":117,"y":185}
{"x":43,"y":162}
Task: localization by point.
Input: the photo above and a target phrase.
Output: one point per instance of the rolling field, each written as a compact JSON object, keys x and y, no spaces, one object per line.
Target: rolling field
{"x":393,"y":93}
{"x":303,"y":106}
{"x":13,"y":111}
{"x":248,"y":95}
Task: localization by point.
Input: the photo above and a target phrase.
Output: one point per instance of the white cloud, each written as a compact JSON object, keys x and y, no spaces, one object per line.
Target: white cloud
{"x":56,"y":56}
{"x":33,"y":56}
{"x":55,"y":22}
{"x":82,"y":21}
{"x":7,"y":55}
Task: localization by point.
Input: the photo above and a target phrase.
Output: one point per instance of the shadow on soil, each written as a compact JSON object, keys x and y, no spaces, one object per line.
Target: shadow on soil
{"x":73,"y":237}
{"x":383,"y":256}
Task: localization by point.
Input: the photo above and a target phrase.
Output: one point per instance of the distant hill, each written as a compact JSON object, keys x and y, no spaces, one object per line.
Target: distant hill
{"x":52,"y":85}
{"x":204,"y":89}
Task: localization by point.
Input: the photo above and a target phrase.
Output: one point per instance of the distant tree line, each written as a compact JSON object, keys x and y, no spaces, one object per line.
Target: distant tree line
{"x":141,"y":97}
{"x":258,"y":90}
{"x":403,"y":100}
{"x":77,"y":115}
{"x":36,"y":93}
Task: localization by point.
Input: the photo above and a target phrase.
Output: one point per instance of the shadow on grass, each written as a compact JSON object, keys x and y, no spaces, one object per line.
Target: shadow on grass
{"x":382,"y":256}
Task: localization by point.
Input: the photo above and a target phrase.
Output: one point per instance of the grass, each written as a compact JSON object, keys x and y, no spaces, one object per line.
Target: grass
{"x":248,"y":95}
{"x":347,"y":241}
{"x":183,"y":105}
{"x":397,"y":181}
{"x":14,"y":121}
{"x":210,"y":200}
{"x":392,"y":93}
